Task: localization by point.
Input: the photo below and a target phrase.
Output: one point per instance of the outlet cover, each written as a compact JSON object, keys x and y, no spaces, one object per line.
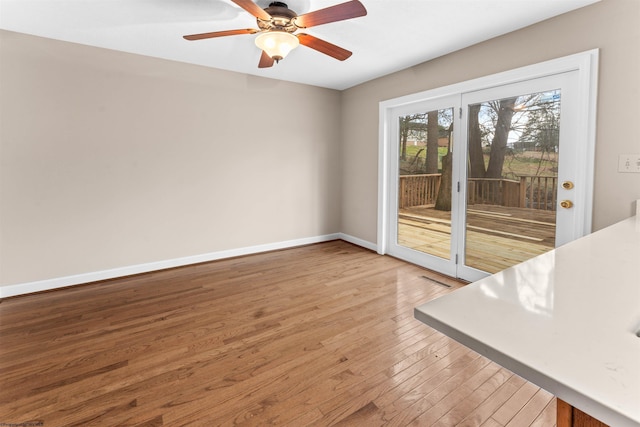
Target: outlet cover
{"x":629,"y":163}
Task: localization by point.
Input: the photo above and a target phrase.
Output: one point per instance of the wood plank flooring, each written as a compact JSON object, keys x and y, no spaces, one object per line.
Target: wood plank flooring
{"x":318,"y":335}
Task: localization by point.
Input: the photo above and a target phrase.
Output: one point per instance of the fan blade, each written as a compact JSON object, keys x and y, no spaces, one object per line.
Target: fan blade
{"x":253,"y":9}
{"x":220,"y":34}
{"x":325,"y":47}
{"x":339,"y":12}
{"x":265,"y":60}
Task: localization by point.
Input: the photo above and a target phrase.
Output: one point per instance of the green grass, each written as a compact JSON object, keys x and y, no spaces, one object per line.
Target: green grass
{"x":515,"y":164}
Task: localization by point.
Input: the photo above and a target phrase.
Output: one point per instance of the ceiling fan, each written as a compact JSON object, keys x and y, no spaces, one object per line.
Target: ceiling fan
{"x":277,"y":25}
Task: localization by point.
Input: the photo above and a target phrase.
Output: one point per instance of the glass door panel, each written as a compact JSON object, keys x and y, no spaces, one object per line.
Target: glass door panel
{"x":420,"y":186}
{"x":424,"y":182}
{"x":512,"y":176}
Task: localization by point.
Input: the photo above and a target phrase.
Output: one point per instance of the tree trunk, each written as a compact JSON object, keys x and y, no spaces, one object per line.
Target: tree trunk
{"x":431,"y":162}
{"x":403,"y":147}
{"x":443,"y":202}
{"x":476,"y":157}
{"x":404,"y":135}
{"x":500,"y":137}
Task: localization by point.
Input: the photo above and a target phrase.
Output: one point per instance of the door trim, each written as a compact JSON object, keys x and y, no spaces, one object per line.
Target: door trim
{"x":585,"y":63}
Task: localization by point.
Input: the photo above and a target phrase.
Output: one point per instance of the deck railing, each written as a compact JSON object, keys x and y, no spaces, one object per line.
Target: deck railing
{"x":493,"y":191}
{"x":538,"y":192}
{"x":534,"y":192}
{"x":418,"y":190}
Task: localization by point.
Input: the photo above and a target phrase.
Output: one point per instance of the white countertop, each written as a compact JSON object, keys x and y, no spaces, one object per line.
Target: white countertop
{"x":566,"y":320}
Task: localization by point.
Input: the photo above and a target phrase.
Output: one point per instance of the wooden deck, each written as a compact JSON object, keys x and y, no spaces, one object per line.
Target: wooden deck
{"x":497,"y":237}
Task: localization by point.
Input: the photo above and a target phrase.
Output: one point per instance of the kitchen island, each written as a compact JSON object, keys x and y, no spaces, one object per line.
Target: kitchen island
{"x":567,"y":320}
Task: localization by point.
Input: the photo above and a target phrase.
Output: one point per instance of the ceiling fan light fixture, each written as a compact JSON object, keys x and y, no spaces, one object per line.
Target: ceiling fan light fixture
{"x":277,"y":44}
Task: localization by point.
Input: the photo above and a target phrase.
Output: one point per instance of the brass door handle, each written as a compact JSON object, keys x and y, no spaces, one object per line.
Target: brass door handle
{"x":567,"y":185}
{"x":566,"y":204}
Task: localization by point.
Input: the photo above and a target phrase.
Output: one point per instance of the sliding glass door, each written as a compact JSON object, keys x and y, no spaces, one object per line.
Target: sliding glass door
{"x":481,"y":180}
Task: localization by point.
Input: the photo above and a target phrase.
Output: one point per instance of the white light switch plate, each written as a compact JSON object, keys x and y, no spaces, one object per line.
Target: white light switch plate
{"x":629,"y":163}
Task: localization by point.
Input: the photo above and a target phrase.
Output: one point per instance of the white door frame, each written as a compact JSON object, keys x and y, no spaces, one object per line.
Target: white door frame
{"x":585,"y":63}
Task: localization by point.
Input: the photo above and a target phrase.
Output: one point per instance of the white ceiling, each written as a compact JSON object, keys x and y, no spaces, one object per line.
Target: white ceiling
{"x":394,"y":35}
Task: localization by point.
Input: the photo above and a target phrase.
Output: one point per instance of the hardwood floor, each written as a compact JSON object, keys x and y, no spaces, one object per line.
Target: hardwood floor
{"x":312,"y":336}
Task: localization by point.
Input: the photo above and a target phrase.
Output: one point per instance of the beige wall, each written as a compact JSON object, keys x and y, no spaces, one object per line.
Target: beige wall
{"x":613,"y":26}
{"x":111,"y":160}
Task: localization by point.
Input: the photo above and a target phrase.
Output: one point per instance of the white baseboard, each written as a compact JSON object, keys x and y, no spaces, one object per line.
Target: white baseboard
{"x":60,"y":282}
{"x":356,"y":241}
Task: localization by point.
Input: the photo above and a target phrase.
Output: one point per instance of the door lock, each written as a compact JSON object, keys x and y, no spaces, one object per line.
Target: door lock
{"x":567,"y":185}
{"x":566,"y":204}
